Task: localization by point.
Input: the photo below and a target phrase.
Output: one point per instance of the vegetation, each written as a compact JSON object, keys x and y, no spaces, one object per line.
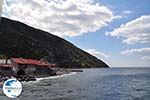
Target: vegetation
{"x":20,"y":40}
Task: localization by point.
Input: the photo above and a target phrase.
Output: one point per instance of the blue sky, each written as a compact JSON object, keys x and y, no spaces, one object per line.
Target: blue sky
{"x":116,"y":31}
{"x":110,"y":45}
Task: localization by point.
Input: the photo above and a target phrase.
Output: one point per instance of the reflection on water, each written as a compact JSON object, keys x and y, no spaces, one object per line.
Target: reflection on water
{"x":92,"y":84}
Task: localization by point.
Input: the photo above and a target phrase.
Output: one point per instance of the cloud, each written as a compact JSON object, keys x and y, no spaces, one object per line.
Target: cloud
{"x":128,"y":12}
{"x":144,"y":53}
{"x":117,"y":17}
{"x":0,"y":7}
{"x":60,"y":17}
{"x":146,"y":58}
{"x":96,"y":53}
{"x":135,"y":31}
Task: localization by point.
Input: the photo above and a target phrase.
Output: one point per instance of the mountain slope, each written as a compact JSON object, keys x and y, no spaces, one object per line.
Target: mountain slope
{"x":20,"y":40}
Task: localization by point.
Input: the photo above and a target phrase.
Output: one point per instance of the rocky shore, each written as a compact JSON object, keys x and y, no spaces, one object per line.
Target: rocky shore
{"x":27,"y":78}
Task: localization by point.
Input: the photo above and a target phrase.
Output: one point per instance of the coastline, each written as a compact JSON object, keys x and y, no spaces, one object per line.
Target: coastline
{"x":56,"y":76}
{"x":35,"y":78}
{"x":60,"y":73}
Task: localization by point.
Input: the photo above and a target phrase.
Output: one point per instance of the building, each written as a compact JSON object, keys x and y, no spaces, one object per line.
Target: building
{"x":5,"y":67}
{"x":20,"y":66}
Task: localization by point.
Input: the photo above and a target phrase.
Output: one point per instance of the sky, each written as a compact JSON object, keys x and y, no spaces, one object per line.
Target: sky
{"x":115,"y":31}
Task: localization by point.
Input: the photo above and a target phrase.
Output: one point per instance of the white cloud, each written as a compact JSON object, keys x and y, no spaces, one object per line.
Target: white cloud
{"x":96,"y":53}
{"x":146,"y":58}
{"x":127,"y":12}
{"x":117,"y":17}
{"x":60,"y":17}
{"x":0,"y":7}
{"x":141,"y":50}
{"x":144,"y":53}
{"x":135,"y":31}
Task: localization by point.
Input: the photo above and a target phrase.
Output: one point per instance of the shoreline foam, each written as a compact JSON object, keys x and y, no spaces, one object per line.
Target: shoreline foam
{"x":54,"y":77}
{"x":50,"y":77}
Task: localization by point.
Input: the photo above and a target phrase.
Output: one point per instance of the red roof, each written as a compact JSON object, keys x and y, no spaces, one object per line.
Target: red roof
{"x":30,"y":62}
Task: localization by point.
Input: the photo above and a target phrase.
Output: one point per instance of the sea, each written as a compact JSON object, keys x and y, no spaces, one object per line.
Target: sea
{"x":91,"y":84}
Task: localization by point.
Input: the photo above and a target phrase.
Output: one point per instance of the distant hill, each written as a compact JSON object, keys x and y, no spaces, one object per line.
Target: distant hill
{"x":20,"y":40}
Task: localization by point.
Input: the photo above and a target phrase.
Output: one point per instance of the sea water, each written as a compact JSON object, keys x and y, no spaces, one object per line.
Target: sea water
{"x":91,"y":84}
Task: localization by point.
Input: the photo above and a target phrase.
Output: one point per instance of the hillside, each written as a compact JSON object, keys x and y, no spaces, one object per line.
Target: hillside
{"x":20,"y":40}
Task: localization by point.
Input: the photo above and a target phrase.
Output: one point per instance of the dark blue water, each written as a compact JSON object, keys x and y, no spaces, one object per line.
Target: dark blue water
{"x":92,"y":84}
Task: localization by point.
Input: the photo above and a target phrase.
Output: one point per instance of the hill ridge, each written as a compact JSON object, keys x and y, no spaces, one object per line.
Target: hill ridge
{"x":20,"y":40}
